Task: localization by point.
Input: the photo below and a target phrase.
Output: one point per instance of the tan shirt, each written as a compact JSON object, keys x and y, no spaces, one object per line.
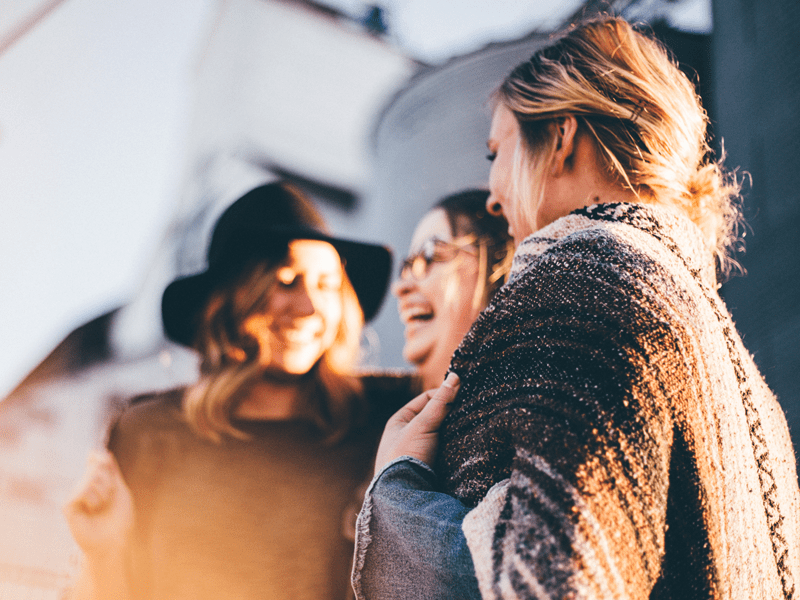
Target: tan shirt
{"x":263,"y":518}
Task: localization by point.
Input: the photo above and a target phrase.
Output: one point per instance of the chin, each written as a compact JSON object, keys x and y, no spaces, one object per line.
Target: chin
{"x":297,"y":365}
{"x":415,"y":358}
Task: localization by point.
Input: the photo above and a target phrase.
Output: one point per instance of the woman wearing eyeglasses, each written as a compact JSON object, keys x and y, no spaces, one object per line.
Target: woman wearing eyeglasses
{"x":459,"y":257}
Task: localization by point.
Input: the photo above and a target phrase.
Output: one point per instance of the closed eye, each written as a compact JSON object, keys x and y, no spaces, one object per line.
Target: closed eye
{"x":286,"y":277}
{"x":330,"y":285}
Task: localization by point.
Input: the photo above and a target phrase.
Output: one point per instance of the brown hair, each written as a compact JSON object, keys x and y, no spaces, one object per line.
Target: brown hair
{"x":644,"y":116}
{"x":230,"y":359}
{"x":467,"y":215}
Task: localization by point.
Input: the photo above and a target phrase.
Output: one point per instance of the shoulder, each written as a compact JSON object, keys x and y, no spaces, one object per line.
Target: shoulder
{"x":593,"y":269}
{"x":619,"y":240}
{"x":387,"y":391}
{"x":588,"y":287}
{"x":151,"y":409}
{"x":583,"y":252}
{"x":145,"y":423}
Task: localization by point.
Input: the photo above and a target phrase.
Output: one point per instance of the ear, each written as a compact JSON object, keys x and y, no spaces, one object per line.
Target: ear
{"x":566,"y":128}
{"x":237,"y":354}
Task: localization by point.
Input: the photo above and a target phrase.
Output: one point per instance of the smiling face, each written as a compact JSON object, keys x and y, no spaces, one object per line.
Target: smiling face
{"x":303,"y":313}
{"x":437,"y":307}
{"x":504,"y":138}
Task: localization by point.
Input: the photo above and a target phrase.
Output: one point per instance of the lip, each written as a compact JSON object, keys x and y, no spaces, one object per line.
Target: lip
{"x":297,"y":336}
{"x":415,"y":327}
{"x":409,"y":311}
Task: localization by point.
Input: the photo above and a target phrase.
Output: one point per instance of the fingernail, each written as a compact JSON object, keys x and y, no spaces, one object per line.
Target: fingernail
{"x":452,"y":379}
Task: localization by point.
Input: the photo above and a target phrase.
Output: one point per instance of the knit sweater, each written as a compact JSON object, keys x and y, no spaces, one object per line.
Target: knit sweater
{"x":612,"y":432}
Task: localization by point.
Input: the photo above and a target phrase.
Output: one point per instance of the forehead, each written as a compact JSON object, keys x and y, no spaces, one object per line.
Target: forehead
{"x":504,"y":125}
{"x":433,"y":225}
{"x":312,"y":254}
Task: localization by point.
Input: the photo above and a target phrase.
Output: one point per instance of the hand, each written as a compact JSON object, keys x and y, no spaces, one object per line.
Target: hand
{"x":100,"y":512}
{"x":414,"y":429}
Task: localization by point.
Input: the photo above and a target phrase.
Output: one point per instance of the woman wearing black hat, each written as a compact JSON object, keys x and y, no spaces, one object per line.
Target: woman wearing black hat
{"x":238,"y":486}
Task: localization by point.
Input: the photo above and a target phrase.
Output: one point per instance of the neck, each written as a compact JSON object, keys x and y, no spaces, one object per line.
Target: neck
{"x":579,"y":182}
{"x":273,"y":400}
{"x":607,"y":192}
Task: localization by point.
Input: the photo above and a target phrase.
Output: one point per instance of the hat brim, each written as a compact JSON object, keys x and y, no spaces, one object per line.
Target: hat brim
{"x":368,"y":266}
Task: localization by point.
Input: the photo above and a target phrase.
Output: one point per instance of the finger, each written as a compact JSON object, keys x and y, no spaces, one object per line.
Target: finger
{"x":433,"y":413}
{"x":447,"y":391}
{"x":96,"y":487}
{"x":413,"y":408}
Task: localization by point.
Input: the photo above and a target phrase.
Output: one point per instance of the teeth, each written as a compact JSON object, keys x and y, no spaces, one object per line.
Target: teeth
{"x":416,"y":312}
{"x":298,"y":336}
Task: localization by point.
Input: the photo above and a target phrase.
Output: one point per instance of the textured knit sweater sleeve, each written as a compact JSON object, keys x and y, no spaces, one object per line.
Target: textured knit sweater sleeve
{"x":593,"y":430}
{"x":568,"y":376}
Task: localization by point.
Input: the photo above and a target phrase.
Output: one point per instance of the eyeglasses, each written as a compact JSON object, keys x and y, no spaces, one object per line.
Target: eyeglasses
{"x":418,"y":265}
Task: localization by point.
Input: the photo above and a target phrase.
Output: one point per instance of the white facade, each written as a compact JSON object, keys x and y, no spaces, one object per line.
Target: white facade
{"x":280,"y":86}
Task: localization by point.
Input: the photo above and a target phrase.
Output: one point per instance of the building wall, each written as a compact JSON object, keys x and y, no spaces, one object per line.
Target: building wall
{"x":756,"y":65}
{"x":282,"y":87}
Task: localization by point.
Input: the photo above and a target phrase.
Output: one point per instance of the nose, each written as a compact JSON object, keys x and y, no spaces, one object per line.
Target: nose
{"x":493,"y":206}
{"x":303,"y":302}
{"x":403,"y":286}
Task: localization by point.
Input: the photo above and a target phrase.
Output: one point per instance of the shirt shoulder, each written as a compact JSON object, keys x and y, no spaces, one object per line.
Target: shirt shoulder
{"x":146,"y":428}
{"x":389,"y":390}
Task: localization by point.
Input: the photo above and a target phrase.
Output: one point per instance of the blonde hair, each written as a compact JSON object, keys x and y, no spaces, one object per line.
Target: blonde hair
{"x":641,"y":111}
{"x":231,"y":362}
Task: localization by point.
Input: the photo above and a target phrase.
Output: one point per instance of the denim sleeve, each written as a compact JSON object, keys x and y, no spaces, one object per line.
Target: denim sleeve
{"x":409,"y":541}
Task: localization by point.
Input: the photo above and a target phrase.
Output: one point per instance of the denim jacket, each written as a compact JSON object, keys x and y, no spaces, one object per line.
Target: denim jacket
{"x":409,"y":541}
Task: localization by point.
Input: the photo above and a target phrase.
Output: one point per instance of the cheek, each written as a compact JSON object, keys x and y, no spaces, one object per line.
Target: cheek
{"x":495,"y":181}
{"x":333,"y":315}
{"x":458,"y":299}
{"x":437,"y":287}
{"x":500,"y":172}
{"x":256,"y":326}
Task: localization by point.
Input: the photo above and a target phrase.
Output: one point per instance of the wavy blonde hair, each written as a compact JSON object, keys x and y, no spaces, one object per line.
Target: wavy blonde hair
{"x":645,"y":118}
{"x":230,"y":360}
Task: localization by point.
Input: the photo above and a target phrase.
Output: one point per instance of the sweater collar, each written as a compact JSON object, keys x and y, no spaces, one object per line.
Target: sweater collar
{"x":668,"y":226}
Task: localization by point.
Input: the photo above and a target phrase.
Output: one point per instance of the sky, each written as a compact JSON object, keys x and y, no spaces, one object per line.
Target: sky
{"x":93,"y":117}
{"x":435,"y":30}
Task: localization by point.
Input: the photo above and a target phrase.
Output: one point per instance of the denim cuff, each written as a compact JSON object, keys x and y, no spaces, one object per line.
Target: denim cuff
{"x":409,"y":540}
{"x":409,"y":470}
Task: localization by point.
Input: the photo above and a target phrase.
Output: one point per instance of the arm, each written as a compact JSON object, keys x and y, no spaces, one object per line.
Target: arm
{"x":100,"y":517}
{"x":563,"y":442}
{"x":408,"y":535}
{"x":562,"y":436}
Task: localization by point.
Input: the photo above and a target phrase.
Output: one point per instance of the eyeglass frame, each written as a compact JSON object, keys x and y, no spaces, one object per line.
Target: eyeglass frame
{"x":426,"y":256}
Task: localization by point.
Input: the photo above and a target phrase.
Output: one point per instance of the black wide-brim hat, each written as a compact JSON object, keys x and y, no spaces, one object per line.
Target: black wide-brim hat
{"x":260,"y":225}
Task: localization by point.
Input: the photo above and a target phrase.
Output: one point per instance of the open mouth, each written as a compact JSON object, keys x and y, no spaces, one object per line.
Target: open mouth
{"x":417,"y":314}
{"x":298,"y":336}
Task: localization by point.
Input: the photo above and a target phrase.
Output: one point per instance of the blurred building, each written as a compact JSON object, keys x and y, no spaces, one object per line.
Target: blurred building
{"x":756,"y":66}
{"x":293,"y":89}
{"x":283,"y":89}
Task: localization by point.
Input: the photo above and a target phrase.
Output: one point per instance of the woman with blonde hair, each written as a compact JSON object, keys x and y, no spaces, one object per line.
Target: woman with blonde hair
{"x":603,"y":432}
{"x":238,"y":486}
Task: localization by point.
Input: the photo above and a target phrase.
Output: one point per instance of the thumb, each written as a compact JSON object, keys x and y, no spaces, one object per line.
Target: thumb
{"x":434,"y":412}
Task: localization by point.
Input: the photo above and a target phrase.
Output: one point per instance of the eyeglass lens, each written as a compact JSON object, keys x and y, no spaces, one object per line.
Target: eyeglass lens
{"x":433,"y":250}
